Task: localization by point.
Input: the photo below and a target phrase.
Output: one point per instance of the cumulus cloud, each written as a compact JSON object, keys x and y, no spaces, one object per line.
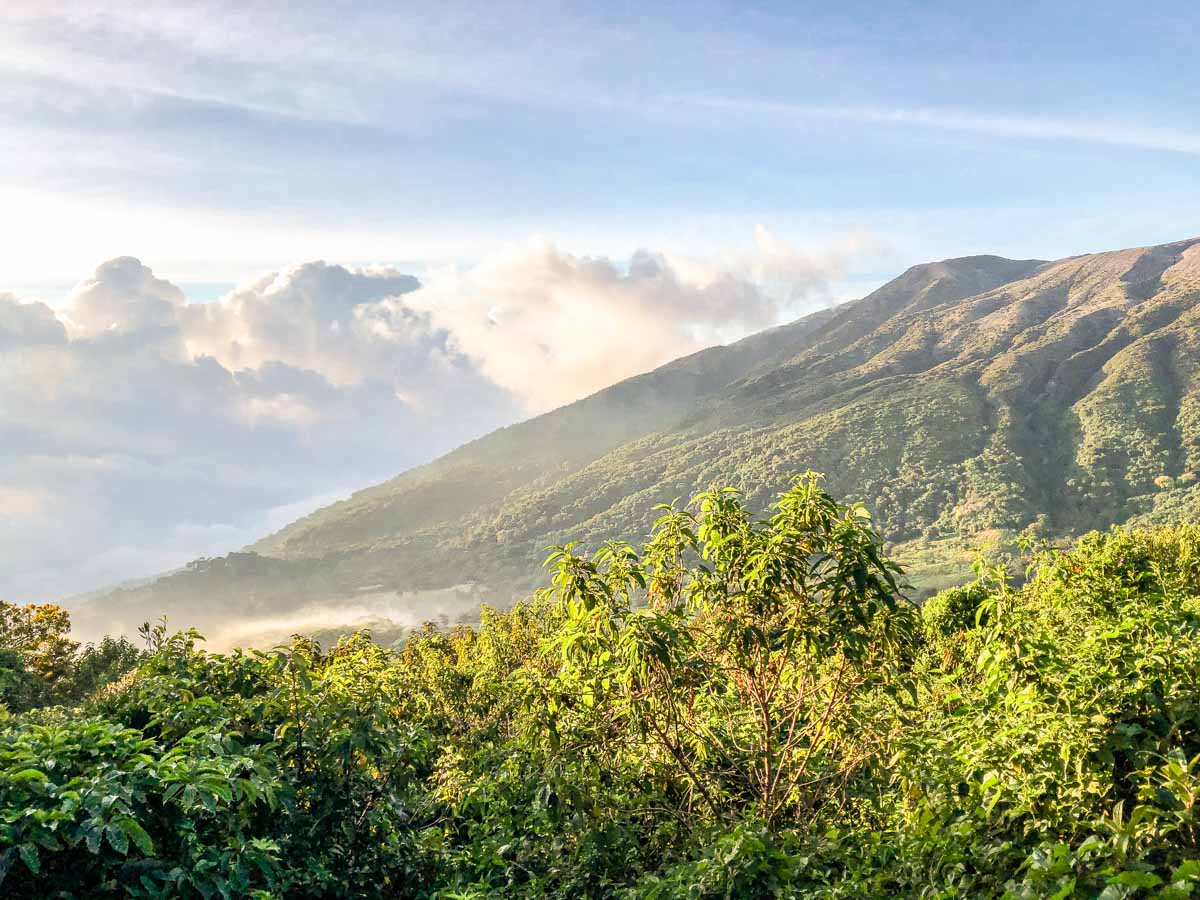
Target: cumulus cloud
{"x":553,"y":327}
{"x":351,"y":328}
{"x":28,"y":324}
{"x":138,"y":430}
{"x":306,"y":316}
{"x":122,"y":297}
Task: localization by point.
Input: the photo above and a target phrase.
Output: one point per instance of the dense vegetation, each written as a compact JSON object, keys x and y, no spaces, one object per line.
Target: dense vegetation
{"x":41,"y":665}
{"x":965,"y":402}
{"x":738,"y":708}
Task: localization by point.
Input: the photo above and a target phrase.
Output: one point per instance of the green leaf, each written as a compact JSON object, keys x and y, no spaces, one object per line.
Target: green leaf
{"x":29,"y":856}
{"x":48,"y":841}
{"x":1188,"y":870}
{"x":26,"y":775}
{"x":117,"y":839}
{"x":1133,"y":878}
{"x":138,"y":835}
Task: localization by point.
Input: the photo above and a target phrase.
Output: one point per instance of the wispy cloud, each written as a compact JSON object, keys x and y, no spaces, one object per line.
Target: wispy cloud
{"x":1114,"y":133}
{"x":353,"y":67}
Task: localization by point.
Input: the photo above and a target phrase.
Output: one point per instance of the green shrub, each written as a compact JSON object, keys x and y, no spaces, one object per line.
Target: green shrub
{"x":91,"y":807}
{"x":738,"y":708}
{"x":953,"y":610}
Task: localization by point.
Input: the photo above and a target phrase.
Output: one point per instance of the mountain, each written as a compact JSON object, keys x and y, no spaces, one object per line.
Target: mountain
{"x":965,"y":401}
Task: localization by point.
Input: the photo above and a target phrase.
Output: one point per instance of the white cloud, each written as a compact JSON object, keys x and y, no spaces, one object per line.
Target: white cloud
{"x":313,"y":316}
{"x":250,"y":58}
{"x":553,"y":327}
{"x":123,"y":297}
{"x":28,"y":324}
{"x":138,"y":431}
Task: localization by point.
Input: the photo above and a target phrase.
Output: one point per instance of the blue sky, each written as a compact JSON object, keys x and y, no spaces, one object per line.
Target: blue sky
{"x":219,"y":140}
{"x":583,"y":191}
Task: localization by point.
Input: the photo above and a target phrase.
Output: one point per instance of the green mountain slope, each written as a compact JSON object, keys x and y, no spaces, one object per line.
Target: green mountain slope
{"x":964,"y":402}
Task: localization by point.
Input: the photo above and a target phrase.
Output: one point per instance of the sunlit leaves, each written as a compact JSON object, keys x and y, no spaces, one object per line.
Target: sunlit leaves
{"x":734,"y":651}
{"x":737,"y":708}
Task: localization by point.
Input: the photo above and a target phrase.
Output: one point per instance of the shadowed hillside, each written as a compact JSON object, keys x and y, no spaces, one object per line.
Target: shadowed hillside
{"x":965,"y":401}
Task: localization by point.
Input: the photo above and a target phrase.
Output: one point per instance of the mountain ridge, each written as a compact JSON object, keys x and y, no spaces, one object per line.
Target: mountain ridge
{"x":920,"y":279}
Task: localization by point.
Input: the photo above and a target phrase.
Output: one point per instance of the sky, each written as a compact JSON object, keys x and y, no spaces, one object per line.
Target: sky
{"x":256,"y":256}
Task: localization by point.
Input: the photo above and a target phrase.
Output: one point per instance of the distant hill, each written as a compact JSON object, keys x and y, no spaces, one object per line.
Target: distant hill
{"x":965,"y":401}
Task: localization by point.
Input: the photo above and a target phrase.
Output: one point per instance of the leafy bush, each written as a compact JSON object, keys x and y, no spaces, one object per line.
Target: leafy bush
{"x":91,"y":807}
{"x":953,"y":611}
{"x":40,"y":664}
{"x":737,"y":708}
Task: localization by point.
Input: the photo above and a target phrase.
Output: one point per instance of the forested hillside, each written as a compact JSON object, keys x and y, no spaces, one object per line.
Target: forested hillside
{"x":735,"y":709}
{"x":967,"y":401}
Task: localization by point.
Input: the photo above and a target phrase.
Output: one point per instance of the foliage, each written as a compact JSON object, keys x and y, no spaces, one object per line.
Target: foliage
{"x":92,"y":807}
{"x":40,"y":633}
{"x":736,"y":708}
{"x":40,"y":664}
{"x":751,"y":670}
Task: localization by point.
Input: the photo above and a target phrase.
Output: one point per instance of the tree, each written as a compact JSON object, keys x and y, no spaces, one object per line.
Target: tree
{"x":743,"y":658}
{"x":19,"y":689}
{"x":39,"y":633}
{"x":40,"y":664}
{"x":101,"y":664}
